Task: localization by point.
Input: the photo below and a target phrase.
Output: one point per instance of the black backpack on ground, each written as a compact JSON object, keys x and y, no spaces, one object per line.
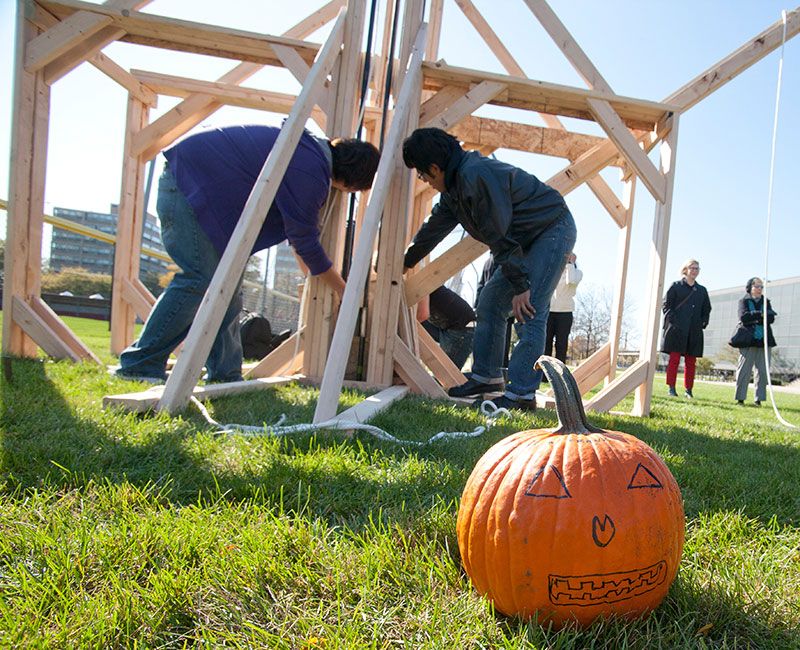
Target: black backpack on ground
{"x":256,"y":335}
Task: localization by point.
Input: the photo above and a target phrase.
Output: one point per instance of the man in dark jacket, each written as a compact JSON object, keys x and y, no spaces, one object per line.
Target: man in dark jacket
{"x":206,"y":182}
{"x":528,"y":229}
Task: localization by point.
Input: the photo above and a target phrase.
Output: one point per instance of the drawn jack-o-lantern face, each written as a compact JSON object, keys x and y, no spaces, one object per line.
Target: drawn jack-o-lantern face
{"x":572,"y":524}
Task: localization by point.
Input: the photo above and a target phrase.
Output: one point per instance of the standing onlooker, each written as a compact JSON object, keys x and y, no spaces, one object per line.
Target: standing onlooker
{"x":751,"y":316}
{"x":686,"y":311}
{"x":562,"y":304}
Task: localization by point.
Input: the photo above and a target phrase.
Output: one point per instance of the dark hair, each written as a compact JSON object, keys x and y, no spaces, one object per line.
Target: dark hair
{"x":431,"y":146}
{"x":354,"y":162}
{"x":750,"y":283}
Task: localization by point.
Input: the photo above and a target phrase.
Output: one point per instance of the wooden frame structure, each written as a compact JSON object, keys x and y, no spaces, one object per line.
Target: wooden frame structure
{"x":55,"y":36}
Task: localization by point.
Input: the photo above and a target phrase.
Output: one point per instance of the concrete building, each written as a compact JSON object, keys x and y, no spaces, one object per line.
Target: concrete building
{"x":69,"y":249}
{"x":785,"y":298}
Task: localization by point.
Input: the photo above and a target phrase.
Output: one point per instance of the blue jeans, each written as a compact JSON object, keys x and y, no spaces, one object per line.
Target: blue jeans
{"x":543,"y":264}
{"x":456,"y":343}
{"x":174,"y":311}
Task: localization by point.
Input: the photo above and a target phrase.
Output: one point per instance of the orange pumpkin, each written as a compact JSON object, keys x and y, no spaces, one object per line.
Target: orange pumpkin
{"x":572,"y":523}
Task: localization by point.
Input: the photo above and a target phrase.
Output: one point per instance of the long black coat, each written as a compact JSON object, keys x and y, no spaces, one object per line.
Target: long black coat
{"x":686,"y":311}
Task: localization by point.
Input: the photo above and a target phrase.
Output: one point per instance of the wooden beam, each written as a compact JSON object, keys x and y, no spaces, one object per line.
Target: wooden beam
{"x":490,"y":38}
{"x":61,"y":38}
{"x":470,"y":101}
{"x":503,"y":134}
{"x":629,"y":148}
{"x":215,"y":302}
{"x":147,"y":400}
{"x":346,"y":83}
{"x":437,"y":360}
{"x":434,"y":30}
{"x":618,"y":389}
{"x":138,"y":301}
{"x":278,"y":361}
{"x":220,"y":93}
{"x":372,"y":405}
{"x":658,"y":262}
{"x":444,"y":267}
{"x":40,"y":331}
{"x":735,"y":63}
{"x":621,"y":277}
{"x":47,"y":316}
{"x":30,"y":121}
{"x":130,"y":220}
{"x":413,"y":373}
{"x":197,"y":107}
{"x":545,"y":97}
{"x":592,"y":369}
{"x":186,"y":36}
{"x":362,"y":258}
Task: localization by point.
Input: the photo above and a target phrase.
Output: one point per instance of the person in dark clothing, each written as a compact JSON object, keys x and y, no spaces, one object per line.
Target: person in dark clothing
{"x":447,"y":317}
{"x":686,"y":311}
{"x":206,"y":182}
{"x":529,"y":231}
{"x":751,"y":316}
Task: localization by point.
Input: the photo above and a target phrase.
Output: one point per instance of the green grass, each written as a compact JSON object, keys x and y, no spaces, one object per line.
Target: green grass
{"x":119,"y":530}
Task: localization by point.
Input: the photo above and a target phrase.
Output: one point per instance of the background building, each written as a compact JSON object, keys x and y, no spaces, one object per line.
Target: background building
{"x":785,"y":298}
{"x":69,"y":249}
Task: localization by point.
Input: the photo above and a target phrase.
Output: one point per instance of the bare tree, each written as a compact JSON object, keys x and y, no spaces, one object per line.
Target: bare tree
{"x":592,"y":321}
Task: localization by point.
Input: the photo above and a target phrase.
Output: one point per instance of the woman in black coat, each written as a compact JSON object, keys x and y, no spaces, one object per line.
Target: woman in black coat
{"x":686,"y":311}
{"x":751,"y":316}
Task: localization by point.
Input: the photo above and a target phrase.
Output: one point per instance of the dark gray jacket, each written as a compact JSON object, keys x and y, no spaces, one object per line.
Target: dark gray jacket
{"x":498,"y":204}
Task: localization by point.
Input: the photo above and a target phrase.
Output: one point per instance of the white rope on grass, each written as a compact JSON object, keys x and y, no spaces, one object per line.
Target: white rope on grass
{"x":489,"y":410}
{"x":769,"y":220}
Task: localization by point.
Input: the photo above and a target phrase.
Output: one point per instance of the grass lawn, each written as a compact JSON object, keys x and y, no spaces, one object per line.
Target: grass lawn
{"x":119,"y":530}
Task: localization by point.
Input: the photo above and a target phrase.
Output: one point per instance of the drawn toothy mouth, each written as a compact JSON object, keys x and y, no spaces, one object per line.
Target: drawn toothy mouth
{"x":587,"y":590}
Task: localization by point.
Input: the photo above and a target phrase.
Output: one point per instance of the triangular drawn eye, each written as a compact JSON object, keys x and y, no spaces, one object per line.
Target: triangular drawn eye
{"x":548,"y":482}
{"x":643,"y":478}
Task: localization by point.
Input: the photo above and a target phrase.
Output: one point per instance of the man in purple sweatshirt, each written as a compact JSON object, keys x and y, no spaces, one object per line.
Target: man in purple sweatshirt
{"x":201,"y":194}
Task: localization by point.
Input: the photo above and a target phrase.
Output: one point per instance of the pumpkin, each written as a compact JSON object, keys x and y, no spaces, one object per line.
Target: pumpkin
{"x":572,"y":523}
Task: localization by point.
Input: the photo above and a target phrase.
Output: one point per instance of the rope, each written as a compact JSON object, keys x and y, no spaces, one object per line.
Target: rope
{"x":488,"y":409}
{"x":769,"y":220}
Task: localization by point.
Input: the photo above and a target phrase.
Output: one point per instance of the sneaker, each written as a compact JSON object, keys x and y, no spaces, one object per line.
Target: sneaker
{"x":688,"y":394}
{"x":672,"y":392}
{"x":740,"y":402}
{"x":473,"y":387}
{"x":507,"y":403}
{"x":757,"y":402}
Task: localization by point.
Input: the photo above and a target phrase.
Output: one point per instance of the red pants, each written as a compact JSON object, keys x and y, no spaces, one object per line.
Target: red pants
{"x":688,"y":369}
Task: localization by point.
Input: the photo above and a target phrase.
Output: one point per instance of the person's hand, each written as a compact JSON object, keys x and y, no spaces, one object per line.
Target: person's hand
{"x":522,"y":307}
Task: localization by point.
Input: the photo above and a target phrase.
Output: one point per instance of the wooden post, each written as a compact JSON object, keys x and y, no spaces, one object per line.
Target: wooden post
{"x":345,"y":326}
{"x":658,"y":261}
{"x":321,"y":299}
{"x":623,"y":253}
{"x":30,"y":124}
{"x":130,"y":221}
{"x":215,"y":302}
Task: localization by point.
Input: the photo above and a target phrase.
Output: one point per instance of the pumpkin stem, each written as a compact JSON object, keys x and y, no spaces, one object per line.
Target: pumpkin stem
{"x":569,"y":404}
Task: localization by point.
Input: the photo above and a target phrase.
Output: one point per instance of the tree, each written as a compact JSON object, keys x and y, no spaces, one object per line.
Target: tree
{"x":592,"y":322}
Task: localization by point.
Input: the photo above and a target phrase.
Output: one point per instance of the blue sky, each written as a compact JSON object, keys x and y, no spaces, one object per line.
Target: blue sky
{"x":645,"y":49}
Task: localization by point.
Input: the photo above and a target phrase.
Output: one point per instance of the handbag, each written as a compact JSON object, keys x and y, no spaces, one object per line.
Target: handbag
{"x":742,"y":337}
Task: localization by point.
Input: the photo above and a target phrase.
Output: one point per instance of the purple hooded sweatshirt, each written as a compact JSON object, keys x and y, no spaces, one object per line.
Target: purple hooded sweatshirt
{"x":216,"y":170}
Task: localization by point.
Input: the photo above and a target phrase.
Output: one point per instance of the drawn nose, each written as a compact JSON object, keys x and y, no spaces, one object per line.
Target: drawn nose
{"x":603,"y":531}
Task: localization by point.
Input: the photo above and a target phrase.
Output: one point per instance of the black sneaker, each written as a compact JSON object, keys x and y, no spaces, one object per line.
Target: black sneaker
{"x":740,"y":402}
{"x":507,"y":403}
{"x":688,"y":394}
{"x":672,"y":392}
{"x":473,"y":387}
{"x":757,"y":402}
